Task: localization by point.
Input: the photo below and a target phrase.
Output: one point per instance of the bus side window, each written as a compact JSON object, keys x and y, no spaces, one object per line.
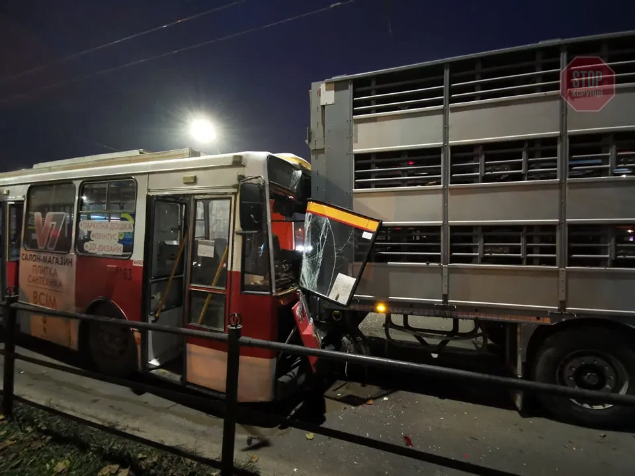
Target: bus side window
{"x":52,"y":207}
{"x":107,"y":218}
{"x":256,"y":264}
{"x":209,"y":266}
{"x":16,"y":212}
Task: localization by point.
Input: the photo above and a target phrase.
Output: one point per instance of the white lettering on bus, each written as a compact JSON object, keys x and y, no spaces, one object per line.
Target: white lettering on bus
{"x":44,"y":276}
{"x":48,"y":230}
{"x":43,"y":299}
{"x":102,"y":225}
{"x":103,"y":248}
{"x":104,"y":236}
{"x":48,"y":259}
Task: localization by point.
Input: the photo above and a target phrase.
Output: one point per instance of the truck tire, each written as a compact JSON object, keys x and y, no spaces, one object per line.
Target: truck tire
{"x":590,"y":358}
{"x":112,"y":348}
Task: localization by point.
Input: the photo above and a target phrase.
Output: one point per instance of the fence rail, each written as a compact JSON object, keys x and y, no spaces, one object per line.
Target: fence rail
{"x":229,"y":405}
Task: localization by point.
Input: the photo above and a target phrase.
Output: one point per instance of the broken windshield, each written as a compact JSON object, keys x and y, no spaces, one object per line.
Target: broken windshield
{"x":333,"y":240}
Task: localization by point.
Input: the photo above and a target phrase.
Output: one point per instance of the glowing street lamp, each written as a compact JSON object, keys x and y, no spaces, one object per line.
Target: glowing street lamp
{"x":202,"y":131}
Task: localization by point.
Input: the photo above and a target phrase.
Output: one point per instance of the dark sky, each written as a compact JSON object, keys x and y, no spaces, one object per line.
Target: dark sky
{"x":255,"y":86}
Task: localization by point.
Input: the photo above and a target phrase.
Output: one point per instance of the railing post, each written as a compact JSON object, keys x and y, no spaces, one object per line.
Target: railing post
{"x":231,"y":395}
{"x":10,"y":318}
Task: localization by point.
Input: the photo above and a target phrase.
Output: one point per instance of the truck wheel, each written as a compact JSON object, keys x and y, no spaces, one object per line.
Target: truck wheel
{"x":112,"y":348}
{"x":591,"y":358}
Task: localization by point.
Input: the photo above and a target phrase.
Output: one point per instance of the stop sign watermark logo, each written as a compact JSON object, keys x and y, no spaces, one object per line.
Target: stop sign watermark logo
{"x":587,"y":84}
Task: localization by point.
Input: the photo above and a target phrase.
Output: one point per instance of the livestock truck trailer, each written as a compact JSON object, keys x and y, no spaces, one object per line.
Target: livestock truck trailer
{"x":499,"y":203}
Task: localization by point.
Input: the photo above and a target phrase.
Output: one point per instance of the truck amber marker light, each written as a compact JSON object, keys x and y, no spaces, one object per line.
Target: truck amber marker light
{"x":380,"y":308}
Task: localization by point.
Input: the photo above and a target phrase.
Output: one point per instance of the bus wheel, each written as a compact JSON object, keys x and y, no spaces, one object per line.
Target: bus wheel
{"x":112,"y":348}
{"x":590,"y":358}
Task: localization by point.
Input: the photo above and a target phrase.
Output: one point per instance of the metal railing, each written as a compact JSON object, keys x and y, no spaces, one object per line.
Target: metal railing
{"x":230,"y":406}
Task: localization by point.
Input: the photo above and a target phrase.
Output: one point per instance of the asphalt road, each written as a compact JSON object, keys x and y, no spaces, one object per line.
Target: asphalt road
{"x":460,"y":425}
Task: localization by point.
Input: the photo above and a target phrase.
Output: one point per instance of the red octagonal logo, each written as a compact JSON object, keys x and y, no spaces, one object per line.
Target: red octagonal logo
{"x":587,"y":84}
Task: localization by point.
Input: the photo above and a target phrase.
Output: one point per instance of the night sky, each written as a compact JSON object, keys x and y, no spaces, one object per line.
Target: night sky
{"x":254,"y":87}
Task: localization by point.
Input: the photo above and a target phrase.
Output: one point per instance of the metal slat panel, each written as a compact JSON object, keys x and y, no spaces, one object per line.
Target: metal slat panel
{"x":400,"y":130}
{"x":408,"y":205}
{"x":504,"y":120}
{"x":613,"y":198}
{"x":519,"y":202}
{"x":603,"y":289}
{"x":511,"y":285}
{"x":388,"y":280}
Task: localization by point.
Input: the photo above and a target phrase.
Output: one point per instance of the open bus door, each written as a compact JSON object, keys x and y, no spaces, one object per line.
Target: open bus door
{"x":207,"y":295}
{"x":188,"y":285}
{"x":166,"y":249}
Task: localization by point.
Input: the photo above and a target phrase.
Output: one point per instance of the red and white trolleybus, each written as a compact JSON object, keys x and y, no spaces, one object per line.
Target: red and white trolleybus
{"x":173,"y":238}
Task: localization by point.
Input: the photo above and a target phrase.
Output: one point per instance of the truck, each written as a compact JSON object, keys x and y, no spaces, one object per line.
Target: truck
{"x":500,"y":205}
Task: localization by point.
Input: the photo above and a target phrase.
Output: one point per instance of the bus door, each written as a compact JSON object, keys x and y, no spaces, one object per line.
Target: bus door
{"x":208,"y":289}
{"x":11,"y":238}
{"x":166,"y":277}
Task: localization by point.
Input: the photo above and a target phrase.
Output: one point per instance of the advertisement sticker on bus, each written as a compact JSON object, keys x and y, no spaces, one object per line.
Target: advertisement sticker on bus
{"x":98,"y":236}
{"x":47,"y":278}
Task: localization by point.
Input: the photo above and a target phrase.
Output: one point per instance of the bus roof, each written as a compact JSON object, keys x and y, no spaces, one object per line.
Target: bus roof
{"x":295,"y":159}
{"x":135,"y":162}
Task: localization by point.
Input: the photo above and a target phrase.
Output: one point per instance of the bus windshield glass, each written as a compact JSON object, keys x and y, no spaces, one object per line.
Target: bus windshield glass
{"x":289,"y":176}
{"x":336,"y":247}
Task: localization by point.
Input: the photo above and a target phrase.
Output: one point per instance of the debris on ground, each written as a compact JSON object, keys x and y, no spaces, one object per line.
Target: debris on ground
{"x":310,"y":436}
{"x":108,"y":470}
{"x":407,"y":441}
{"x":61,"y":467}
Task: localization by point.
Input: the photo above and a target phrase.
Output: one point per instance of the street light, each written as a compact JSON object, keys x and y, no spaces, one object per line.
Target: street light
{"x":202,"y":131}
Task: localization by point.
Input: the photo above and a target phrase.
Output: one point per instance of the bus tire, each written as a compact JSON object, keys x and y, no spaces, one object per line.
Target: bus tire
{"x":112,"y":348}
{"x":591,"y":358}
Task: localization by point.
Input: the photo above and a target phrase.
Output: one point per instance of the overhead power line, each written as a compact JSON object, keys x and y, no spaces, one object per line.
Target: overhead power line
{"x":120,"y":40}
{"x":99,"y":144}
{"x":179,"y":50}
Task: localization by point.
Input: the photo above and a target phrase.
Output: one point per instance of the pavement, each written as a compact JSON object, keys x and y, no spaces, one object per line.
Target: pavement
{"x":471,"y":428}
